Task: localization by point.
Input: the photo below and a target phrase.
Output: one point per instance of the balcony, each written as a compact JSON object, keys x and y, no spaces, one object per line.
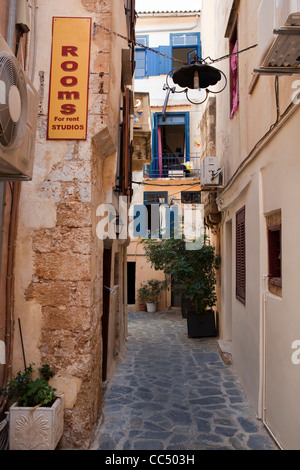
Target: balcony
{"x":173,"y":165}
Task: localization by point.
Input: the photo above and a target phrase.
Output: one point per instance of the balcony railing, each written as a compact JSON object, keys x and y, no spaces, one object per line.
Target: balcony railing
{"x":173,"y":165}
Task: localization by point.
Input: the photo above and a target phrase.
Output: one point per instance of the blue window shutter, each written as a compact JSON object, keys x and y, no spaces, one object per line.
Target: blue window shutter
{"x":152,"y":63}
{"x":165,"y":64}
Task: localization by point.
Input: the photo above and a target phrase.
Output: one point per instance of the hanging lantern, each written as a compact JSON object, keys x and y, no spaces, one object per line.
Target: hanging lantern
{"x":195,"y":76}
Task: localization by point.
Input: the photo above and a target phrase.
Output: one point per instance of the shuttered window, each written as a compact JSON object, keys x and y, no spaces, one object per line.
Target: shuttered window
{"x":125,"y":169}
{"x":141,"y":57}
{"x":274,"y":245}
{"x":140,"y":64}
{"x":158,"y":60}
{"x":241,"y":256}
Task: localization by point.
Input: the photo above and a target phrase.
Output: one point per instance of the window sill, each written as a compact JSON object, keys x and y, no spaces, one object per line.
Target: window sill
{"x":276,"y":281}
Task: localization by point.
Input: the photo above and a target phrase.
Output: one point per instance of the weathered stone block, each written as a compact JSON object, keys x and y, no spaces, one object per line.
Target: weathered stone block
{"x":60,"y":293}
{"x":73,"y":318}
{"x":101,"y":63}
{"x":60,"y":239}
{"x":63,"y":266}
{"x":98,"y":104}
{"x":49,"y":293}
{"x":70,"y":170}
{"x":96,"y":6}
{"x":74,"y":214}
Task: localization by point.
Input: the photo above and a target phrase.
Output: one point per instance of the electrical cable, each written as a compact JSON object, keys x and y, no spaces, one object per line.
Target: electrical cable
{"x":162,"y":185}
{"x":211,"y":61}
{"x":262,"y":139}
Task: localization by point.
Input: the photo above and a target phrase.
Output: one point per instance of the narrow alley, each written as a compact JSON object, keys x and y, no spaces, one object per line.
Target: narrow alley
{"x":175,"y":393}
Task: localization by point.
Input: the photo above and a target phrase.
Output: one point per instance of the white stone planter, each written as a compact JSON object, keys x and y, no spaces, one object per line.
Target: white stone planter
{"x":151,"y":307}
{"x":36,"y":429}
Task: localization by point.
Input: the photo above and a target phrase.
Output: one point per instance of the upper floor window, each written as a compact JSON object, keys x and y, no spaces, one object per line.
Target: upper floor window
{"x":143,"y":40}
{"x":141,"y":57}
{"x":274,"y":244}
{"x":152,"y":201}
{"x":184,"y":47}
{"x":234,"y":71}
{"x":191,"y":197}
{"x":140,"y":63}
{"x":181,"y":46}
{"x":241,"y":255}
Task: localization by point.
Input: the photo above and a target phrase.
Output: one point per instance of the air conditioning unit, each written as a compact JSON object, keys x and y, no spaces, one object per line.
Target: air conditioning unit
{"x":18,"y":118}
{"x":279,"y":33}
{"x":211,"y":174}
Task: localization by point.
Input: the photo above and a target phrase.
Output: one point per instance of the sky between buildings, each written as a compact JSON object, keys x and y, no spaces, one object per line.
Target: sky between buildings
{"x":168,"y":5}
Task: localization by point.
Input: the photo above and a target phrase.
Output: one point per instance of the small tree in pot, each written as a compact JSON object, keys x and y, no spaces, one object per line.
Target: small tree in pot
{"x":142,"y":297}
{"x":193,"y":271}
{"x":151,"y":291}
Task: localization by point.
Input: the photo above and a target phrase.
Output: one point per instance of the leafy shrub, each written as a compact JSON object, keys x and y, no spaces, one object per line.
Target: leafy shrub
{"x":192,"y":271}
{"x":28,"y":392}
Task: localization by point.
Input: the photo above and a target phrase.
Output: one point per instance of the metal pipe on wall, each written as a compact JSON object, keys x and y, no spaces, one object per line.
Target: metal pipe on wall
{"x":11,"y":27}
{"x":12,"y":234}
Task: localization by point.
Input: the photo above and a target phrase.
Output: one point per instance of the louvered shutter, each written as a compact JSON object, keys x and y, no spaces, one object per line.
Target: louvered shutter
{"x":165,"y":64}
{"x":241,"y":256}
{"x":152,"y":66}
{"x":126,"y":143}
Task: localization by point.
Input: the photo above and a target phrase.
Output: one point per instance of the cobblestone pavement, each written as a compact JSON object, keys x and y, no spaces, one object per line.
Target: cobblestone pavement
{"x":175,"y":393}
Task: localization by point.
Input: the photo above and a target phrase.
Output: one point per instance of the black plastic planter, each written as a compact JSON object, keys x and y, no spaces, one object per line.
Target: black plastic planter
{"x":201,"y":325}
{"x":186,"y":305}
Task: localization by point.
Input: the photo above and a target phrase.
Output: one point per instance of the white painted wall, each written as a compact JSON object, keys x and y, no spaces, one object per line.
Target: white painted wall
{"x":262,"y":333}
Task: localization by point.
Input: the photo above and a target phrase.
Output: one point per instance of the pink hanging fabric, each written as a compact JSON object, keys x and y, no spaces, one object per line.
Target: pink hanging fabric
{"x":159,"y":151}
{"x":234,"y":71}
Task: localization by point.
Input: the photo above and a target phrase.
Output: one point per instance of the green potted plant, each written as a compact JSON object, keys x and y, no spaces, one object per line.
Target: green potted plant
{"x":36,"y":418}
{"x":151,"y":292}
{"x":194,"y":274}
{"x":142,"y":297}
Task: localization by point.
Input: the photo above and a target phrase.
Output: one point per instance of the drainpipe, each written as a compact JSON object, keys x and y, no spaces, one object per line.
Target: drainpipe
{"x":34,"y":7}
{"x":125,"y":297}
{"x":264,"y":378}
{"x":10,"y":39}
{"x":11,"y":27}
{"x":15,"y":188}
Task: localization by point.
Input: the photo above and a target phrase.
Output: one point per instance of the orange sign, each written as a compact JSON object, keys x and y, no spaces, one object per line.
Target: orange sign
{"x":69,"y":79}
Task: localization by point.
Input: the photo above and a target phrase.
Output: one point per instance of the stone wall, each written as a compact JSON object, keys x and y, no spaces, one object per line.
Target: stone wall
{"x":208,"y":130}
{"x":59,"y":265}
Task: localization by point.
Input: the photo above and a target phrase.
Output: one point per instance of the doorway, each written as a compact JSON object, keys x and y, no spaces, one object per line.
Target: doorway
{"x":131,"y":267}
{"x":105,"y":315}
{"x":170,"y":143}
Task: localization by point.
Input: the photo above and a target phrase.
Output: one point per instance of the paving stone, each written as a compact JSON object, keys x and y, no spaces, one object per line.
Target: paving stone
{"x":248,"y":425}
{"x":171,"y":392}
{"x":225,"y":431}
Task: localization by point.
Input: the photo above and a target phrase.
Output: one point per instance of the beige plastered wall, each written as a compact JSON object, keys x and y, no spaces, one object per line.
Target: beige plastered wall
{"x":135,"y":252}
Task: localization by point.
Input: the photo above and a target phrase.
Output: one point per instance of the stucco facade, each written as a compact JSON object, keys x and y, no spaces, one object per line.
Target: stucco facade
{"x":258,"y":152}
